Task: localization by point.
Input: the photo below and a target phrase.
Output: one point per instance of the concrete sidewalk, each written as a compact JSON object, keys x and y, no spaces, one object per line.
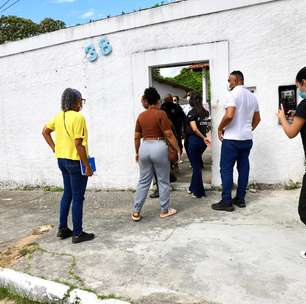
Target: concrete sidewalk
{"x":199,"y":256}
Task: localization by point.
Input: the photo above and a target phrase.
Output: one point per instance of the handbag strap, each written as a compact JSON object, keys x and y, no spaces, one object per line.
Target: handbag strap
{"x":64,"y":116}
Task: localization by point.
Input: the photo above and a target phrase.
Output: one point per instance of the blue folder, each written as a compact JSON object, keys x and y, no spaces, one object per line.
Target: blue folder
{"x":92,"y":165}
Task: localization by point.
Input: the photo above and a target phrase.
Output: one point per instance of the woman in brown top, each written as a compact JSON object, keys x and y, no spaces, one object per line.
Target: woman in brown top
{"x":154,"y":128}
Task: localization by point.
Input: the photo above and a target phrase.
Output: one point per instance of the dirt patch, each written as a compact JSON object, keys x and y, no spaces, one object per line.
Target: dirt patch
{"x":10,"y":255}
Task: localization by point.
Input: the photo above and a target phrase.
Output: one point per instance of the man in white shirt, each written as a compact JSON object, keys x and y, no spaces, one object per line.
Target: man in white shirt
{"x":235,"y":131}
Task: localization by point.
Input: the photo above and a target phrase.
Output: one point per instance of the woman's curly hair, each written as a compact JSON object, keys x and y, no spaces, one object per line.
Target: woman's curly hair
{"x":151,"y":95}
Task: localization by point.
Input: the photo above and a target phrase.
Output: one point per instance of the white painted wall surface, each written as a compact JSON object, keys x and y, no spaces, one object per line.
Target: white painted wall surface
{"x":165,"y":89}
{"x":264,"y":41}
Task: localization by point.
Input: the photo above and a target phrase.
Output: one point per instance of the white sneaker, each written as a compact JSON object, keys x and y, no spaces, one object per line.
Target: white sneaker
{"x":303,"y":254}
{"x":196,"y":197}
{"x":188,"y":191}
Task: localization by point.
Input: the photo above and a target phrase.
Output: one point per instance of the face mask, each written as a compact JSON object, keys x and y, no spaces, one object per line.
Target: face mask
{"x":229,"y":88}
{"x":188,"y":98}
{"x":302,"y":94}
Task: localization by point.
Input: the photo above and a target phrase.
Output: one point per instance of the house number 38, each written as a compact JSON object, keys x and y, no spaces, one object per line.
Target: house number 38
{"x":105,"y":49}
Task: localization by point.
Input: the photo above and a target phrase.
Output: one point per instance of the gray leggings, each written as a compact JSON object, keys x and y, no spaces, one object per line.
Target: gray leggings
{"x":153,"y":155}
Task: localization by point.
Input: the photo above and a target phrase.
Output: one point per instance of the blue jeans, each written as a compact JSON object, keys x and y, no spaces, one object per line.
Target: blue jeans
{"x":233,"y":151}
{"x":196,"y":148}
{"x":74,"y":190}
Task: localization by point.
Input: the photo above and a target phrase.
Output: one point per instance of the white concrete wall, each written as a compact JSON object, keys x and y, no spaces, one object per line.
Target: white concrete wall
{"x":165,"y":89}
{"x":265,"y":42}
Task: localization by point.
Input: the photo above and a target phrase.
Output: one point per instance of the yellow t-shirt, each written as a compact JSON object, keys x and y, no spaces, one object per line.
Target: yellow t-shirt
{"x":66,"y":132}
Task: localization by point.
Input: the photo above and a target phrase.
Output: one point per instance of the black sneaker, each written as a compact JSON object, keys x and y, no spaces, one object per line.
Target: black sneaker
{"x":221,"y":206}
{"x":83,"y":237}
{"x":155,"y":194}
{"x":239,"y":203}
{"x":64,"y":233}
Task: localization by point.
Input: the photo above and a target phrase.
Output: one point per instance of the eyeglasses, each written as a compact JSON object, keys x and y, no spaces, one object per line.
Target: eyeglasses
{"x":83,"y":100}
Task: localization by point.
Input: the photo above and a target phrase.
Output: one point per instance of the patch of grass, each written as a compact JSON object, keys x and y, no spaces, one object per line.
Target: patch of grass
{"x":69,"y":284}
{"x":72,"y":273}
{"x":52,"y":189}
{"x":29,"y":250}
{"x":5,"y":294}
{"x":109,"y":297}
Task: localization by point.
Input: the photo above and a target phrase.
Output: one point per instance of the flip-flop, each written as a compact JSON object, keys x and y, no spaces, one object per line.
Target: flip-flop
{"x":170,"y":212}
{"x":136,"y":218}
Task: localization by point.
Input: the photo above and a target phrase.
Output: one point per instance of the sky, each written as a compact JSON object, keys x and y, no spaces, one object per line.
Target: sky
{"x":171,"y":72}
{"x":72,"y":12}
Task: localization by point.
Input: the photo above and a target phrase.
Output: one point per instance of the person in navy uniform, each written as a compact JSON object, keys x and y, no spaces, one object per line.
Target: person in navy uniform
{"x":196,"y":132}
{"x":176,"y":115}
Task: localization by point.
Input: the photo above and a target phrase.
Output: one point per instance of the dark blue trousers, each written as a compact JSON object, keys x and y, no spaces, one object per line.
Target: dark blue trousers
{"x":196,"y":148}
{"x":233,"y":151}
{"x":74,"y":190}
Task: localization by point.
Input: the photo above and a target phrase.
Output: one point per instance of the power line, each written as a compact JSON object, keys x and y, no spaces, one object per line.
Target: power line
{"x":5,"y":3}
{"x":5,"y":9}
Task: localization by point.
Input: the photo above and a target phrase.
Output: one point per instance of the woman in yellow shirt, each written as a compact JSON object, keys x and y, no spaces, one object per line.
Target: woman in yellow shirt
{"x":71,"y":146}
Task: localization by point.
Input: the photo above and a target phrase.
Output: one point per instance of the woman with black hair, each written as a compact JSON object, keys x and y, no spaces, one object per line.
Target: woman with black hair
{"x":71,"y":146}
{"x":196,"y":133}
{"x":292,"y":130}
{"x":154,"y":128}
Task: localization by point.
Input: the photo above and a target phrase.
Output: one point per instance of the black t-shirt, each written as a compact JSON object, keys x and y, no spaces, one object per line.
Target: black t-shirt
{"x":202,"y":122}
{"x":301,"y":112}
{"x":176,"y":114}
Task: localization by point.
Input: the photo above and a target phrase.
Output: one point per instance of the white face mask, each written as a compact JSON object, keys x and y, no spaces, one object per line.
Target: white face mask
{"x":188,"y":98}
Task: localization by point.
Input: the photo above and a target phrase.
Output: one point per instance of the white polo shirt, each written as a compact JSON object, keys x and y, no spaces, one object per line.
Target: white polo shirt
{"x":246,"y":105}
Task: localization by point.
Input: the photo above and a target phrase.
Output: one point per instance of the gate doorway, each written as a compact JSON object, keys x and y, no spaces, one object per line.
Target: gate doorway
{"x":175,"y":82}
{"x":213,"y":53}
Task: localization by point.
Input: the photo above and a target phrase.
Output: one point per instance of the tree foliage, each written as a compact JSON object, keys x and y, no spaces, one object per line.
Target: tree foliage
{"x":50,"y":25}
{"x":14,"y":28}
{"x":188,"y":79}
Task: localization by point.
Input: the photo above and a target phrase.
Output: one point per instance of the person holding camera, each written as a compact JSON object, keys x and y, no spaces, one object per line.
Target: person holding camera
{"x":297,"y":126}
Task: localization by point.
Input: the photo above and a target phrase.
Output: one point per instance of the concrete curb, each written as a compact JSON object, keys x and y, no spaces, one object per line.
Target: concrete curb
{"x":45,"y":291}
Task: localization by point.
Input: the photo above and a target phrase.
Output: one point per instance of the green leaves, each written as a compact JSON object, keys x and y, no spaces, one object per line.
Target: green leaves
{"x":14,"y":28}
{"x":187,"y":79}
{"x":50,"y":25}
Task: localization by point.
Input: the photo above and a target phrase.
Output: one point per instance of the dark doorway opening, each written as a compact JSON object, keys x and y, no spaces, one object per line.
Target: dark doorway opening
{"x":177,"y":81}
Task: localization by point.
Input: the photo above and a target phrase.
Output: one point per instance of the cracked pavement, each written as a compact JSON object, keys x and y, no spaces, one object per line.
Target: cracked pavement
{"x":199,"y":256}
